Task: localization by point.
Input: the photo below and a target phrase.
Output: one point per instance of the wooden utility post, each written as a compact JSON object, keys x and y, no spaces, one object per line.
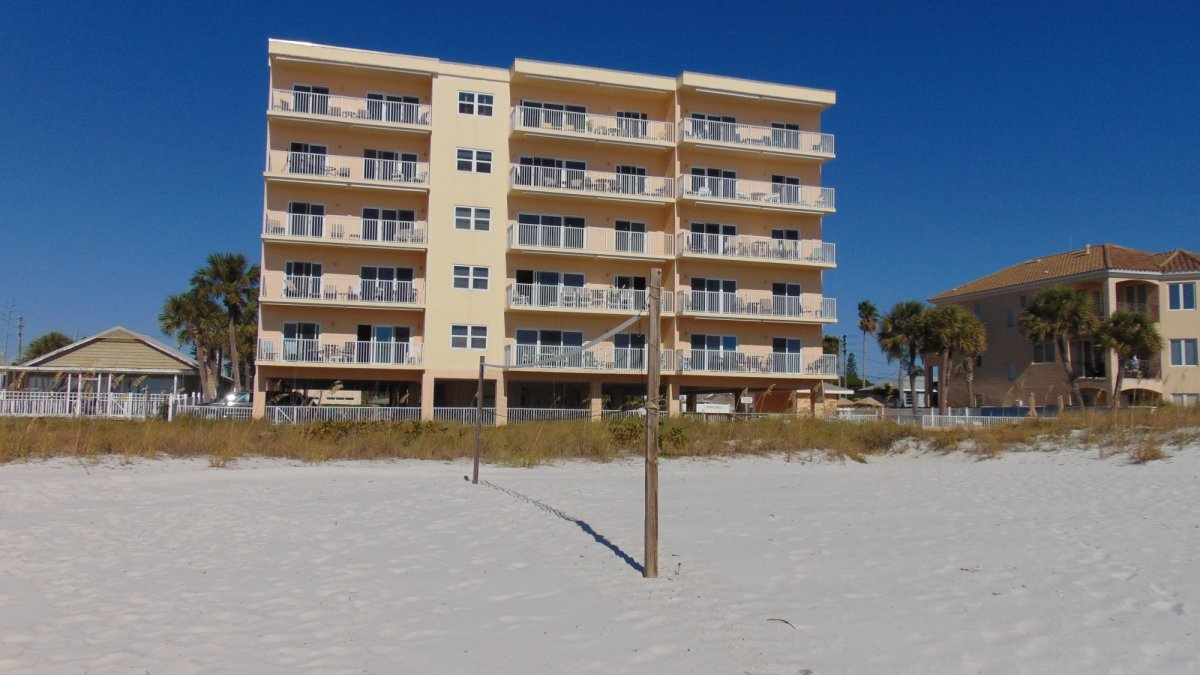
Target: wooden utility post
{"x":478,"y":423}
{"x":653,"y":364}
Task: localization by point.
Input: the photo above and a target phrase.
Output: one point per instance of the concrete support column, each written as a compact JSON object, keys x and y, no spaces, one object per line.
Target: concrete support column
{"x":258,"y":402}
{"x":673,"y":398}
{"x":596,"y":399}
{"x":501,"y":397}
{"x":427,"y":380}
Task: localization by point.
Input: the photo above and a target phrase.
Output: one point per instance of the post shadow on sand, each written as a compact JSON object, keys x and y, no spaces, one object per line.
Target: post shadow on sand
{"x":600,"y":539}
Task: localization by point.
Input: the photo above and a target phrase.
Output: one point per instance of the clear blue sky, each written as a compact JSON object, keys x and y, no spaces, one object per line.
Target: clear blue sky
{"x":970,"y":136}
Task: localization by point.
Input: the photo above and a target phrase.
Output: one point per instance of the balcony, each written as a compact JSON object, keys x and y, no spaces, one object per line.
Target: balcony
{"x":312,"y":290}
{"x":734,"y":362}
{"x":349,"y":110}
{"x":344,"y":230}
{"x":594,"y":184}
{"x":732,"y":136}
{"x":590,"y":241}
{"x":581,"y":299}
{"x":756,"y":193}
{"x":603,"y":357}
{"x":310,"y":167}
{"x":585,"y":126}
{"x":759,"y":306}
{"x":757,"y":249}
{"x":1150,"y":309}
{"x":349,"y":352}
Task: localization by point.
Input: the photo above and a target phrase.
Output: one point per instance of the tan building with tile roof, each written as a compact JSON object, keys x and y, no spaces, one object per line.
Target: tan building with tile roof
{"x":1118,"y":278}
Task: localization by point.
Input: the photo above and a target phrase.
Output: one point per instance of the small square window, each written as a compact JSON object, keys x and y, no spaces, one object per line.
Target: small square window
{"x":472,"y":218}
{"x":1184,"y":352}
{"x":1181,"y":296}
{"x":463,"y":336}
{"x":1043,"y":352}
{"x":470,"y":277}
{"x":473,"y":103}
{"x":474,"y":161}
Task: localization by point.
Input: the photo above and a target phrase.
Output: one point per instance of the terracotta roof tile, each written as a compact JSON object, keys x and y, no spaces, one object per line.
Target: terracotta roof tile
{"x":1081,"y":261}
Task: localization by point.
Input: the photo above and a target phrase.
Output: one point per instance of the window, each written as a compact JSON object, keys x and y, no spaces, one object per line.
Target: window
{"x":472,"y":103}
{"x":472,"y":218}
{"x":474,"y":161}
{"x":309,"y":98}
{"x":1183,"y":352}
{"x":561,"y":345}
{"x":553,"y":172}
{"x":1185,"y":399}
{"x":1010,"y":318}
{"x":785,"y":135}
{"x":386,"y":284}
{"x":1012,"y":371}
{"x":713,"y":127}
{"x":785,"y":299}
{"x":393,"y":108}
{"x":630,"y":236}
{"x":389,"y":165}
{"x":382,"y":344}
{"x":385,"y":225}
{"x":714,"y":295}
{"x":786,"y":355}
{"x":463,"y":336}
{"x":301,"y":341}
{"x":307,"y":158}
{"x":302,"y":279}
{"x":978,"y":309}
{"x":1043,"y":352}
{"x":712,"y":238}
{"x":711,"y":182}
{"x":305,"y":219}
{"x":535,"y":229}
{"x":471,"y":278}
{"x":560,"y":116}
{"x":631,"y":124}
{"x":1182,"y":296}
{"x":1022,"y":301}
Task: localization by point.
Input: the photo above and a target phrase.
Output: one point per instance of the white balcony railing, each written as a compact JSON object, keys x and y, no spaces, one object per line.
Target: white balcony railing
{"x":342,"y":168}
{"x":758,"y":304}
{"x":757,"y":137}
{"x":298,"y":287}
{"x":349,"y":108}
{"x":601,"y":357}
{"x":345,"y":229}
{"x":582,"y":298}
{"x":516,"y":415}
{"x":720,"y":361}
{"x":590,"y":240}
{"x":464,"y":415}
{"x":322,"y":350}
{"x":593,"y":126}
{"x":756,"y":192}
{"x":591,"y":182}
{"x":757,"y":248}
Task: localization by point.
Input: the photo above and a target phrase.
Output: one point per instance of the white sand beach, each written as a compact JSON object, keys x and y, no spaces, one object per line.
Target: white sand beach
{"x":1059,"y":562}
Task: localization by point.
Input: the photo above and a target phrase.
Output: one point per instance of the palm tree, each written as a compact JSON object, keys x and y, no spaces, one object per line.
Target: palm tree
{"x":1060,"y":314}
{"x":972,"y":343}
{"x":44,"y":344}
{"x":868,"y":321}
{"x":892,"y":345}
{"x":946,"y":329}
{"x":229,"y":278}
{"x":904,"y":331}
{"x":195,"y":319}
{"x":1128,"y":334}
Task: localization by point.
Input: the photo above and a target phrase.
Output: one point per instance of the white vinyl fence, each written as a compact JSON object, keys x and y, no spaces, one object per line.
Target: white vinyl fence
{"x":295,"y":414}
{"x":213,"y":412}
{"x":81,"y":404}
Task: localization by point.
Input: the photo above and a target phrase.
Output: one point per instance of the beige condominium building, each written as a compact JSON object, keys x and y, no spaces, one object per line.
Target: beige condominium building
{"x":419,"y":214}
{"x":1016,"y":371}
